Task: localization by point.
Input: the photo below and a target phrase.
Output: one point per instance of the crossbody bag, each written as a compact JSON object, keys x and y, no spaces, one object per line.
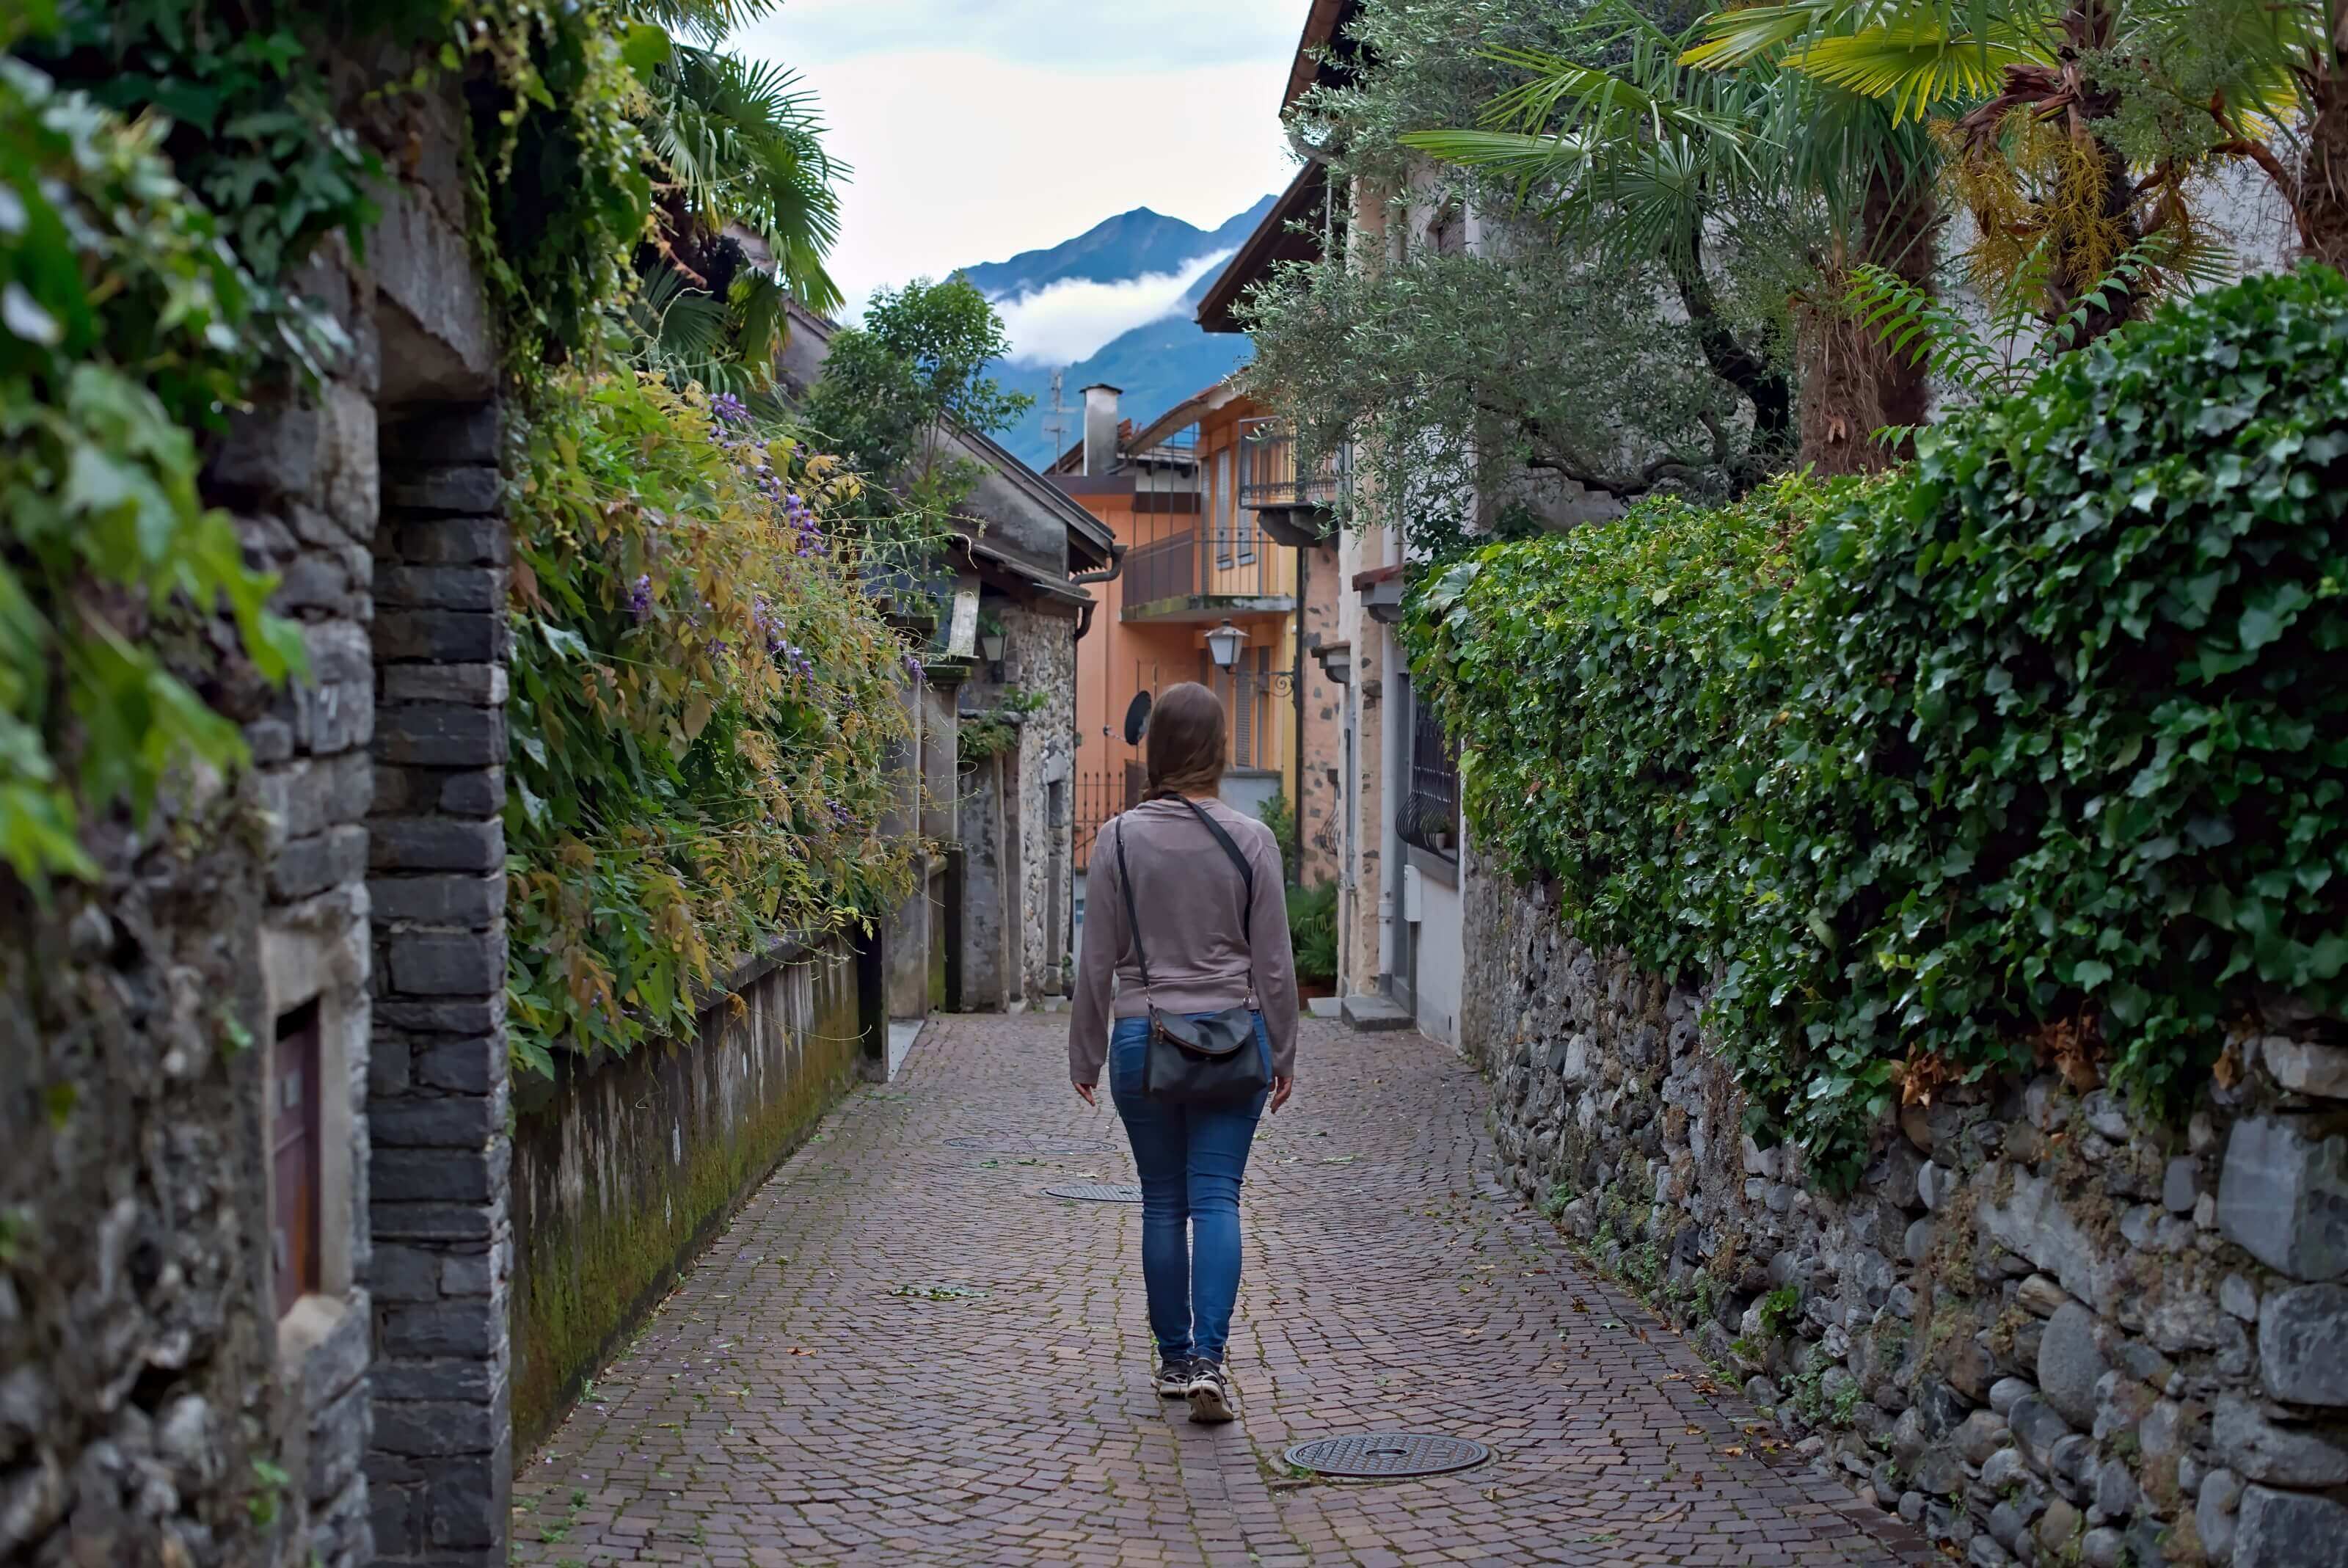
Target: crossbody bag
{"x":1210,"y":1059}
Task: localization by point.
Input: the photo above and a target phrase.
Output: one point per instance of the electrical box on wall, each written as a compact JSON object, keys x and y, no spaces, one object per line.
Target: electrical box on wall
{"x":1412,"y":896}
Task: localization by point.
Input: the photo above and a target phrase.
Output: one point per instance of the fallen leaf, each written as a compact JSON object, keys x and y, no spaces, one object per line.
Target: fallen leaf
{"x":1735,"y":1451}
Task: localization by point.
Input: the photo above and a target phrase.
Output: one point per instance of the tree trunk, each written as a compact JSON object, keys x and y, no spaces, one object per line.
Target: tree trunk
{"x":1903,"y":218}
{"x":2323,"y":179}
{"x":2100,"y":183}
{"x":1762,"y":383}
{"x":1852,"y":383}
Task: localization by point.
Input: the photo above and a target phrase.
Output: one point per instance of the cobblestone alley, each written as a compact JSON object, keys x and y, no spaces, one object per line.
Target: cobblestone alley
{"x":902,"y":1351}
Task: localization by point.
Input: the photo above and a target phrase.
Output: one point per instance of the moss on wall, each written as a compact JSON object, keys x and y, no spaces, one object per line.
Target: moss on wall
{"x":591,"y":1261}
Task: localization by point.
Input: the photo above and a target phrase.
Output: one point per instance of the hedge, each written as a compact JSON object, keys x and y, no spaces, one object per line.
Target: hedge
{"x":2037,"y":749}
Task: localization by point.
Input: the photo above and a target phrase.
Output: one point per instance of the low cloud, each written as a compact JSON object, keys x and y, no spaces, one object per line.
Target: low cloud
{"x":1065,"y":321}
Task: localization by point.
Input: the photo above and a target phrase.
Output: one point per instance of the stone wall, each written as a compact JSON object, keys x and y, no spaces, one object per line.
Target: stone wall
{"x":1040,"y":657}
{"x":2042,"y":1328}
{"x":154,"y":1403}
{"x":622,"y":1169}
{"x":1016,"y":820}
{"x":1320,"y":823}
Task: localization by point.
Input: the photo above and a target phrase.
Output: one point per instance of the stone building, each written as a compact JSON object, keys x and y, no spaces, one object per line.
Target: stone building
{"x":268,"y":1183}
{"x":254,"y":1293}
{"x":995,"y":926}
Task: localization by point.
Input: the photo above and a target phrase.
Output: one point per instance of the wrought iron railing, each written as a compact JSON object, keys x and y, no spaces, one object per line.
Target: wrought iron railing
{"x":1428,"y":817}
{"x":1270,"y":477}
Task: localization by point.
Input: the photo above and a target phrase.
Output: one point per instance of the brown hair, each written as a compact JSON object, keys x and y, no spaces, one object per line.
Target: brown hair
{"x":1185,"y":745}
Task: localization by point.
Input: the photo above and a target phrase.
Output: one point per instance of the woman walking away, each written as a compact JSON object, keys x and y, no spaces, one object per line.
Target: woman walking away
{"x":1184,"y":911}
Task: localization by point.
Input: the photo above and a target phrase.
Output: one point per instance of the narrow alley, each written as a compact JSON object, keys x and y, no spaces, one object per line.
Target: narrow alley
{"x":903,"y":1350}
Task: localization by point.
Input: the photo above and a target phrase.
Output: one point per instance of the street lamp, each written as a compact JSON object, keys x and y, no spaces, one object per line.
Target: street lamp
{"x":990,"y":646}
{"x":1223,"y":644}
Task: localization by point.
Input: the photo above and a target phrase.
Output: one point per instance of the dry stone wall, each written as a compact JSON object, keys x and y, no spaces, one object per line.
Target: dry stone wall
{"x":2043,"y":1328}
{"x":155,"y":1406}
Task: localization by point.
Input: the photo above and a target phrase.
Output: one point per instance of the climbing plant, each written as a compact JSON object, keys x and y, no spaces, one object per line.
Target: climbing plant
{"x":123,"y":329}
{"x":2027,"y":748}
{"x":702,"y":708}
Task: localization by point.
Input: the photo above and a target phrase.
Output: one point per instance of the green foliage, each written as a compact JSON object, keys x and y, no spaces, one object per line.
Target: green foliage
{"x":1779,"y":1308}
{"x":1313,"y":930}
{"x":2033,"y":732}
{"x":997,"y":729}
{"x":2000,"y":360}
{"x":121,"y":327}
{"x":1276,"y":815}
{"x":559,"y":187}
{"x":892,"y":389}
{"x":251,"y":130}
{"x":703,"y":702}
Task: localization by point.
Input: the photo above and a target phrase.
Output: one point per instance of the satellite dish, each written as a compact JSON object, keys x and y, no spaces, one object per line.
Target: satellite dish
{"x":1136,"y":717}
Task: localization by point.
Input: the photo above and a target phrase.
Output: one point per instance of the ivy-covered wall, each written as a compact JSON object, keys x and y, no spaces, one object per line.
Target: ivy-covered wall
{"x":2042,"y":1326}
{"x":1924,"y":968}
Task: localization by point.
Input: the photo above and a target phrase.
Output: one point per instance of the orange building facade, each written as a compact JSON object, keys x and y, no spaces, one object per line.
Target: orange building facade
{"x":1177,"y":494}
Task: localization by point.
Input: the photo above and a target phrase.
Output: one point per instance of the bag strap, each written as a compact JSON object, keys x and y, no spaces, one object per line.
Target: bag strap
{"x":1247,"y":873}
{"x":1247,"y":904}
{"x":1132,"y":920}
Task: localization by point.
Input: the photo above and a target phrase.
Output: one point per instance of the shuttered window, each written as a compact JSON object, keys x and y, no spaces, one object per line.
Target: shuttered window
{"x":294,"y":1155}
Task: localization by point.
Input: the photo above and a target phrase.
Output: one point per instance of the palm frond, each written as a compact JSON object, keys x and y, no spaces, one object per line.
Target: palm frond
{"x":707,"y":21}
{"x":1916,"y":67}
{"x":743,"y":143}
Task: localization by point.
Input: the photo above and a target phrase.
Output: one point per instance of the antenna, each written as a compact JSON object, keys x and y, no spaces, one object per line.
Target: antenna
{"x":1057,"y":424}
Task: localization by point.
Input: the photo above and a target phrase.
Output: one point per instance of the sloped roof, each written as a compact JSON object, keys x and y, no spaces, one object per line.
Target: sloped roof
{"x":1014,"y":505}
{"x":1272,"y":241}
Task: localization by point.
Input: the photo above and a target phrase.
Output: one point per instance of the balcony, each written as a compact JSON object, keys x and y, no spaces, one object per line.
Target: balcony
{"x":1190,"y":568}
{"x":1293,"y":507}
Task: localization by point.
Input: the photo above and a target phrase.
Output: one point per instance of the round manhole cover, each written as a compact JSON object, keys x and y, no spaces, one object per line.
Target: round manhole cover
{"x":1021,"y":1144}
{"x":1096,"y":1192}
{"x":1383,"y":1454}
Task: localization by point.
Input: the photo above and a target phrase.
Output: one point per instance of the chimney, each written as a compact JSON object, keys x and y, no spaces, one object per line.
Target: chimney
{"x":1100,"y":428}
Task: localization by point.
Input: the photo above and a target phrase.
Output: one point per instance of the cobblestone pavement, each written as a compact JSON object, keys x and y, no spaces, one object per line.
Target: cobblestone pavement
{"x":901,"y":1351}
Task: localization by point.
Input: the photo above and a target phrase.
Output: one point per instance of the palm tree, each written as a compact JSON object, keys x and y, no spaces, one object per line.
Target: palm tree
{"x":744,"y":191}
{"x":2028,"y":98}
{"x":1651,"y":157}
{"x":742,"y":146}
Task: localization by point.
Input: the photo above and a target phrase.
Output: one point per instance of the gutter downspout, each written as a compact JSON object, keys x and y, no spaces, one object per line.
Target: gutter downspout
{"x":1296,"y":693}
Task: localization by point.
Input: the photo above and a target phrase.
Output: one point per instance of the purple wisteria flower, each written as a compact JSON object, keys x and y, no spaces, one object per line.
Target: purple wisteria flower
{"x":640,"y":600}
{"x":728,"y":409}
{"x":913,"y":666}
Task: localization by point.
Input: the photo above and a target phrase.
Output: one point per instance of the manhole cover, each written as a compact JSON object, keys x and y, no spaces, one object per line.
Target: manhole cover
{"x":1016,"y":1143}
{"x":1096,"y":1192}
{"x":1388,"y":1454}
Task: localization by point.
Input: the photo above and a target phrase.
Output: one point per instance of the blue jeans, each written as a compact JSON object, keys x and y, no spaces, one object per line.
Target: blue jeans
{"x":1191,"y":1161}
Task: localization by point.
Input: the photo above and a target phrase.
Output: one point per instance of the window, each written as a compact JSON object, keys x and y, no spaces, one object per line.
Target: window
{"x":1218,"y":517}
{"x":295,"y":1155}
{"x":1242,"y":690}
{"x":1429,"y":817}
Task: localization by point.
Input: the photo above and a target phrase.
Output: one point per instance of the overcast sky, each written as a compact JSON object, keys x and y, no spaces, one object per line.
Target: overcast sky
{"x":978,"y":128}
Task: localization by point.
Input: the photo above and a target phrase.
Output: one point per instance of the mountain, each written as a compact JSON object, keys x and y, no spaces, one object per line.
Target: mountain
{"x":1156,"y":364}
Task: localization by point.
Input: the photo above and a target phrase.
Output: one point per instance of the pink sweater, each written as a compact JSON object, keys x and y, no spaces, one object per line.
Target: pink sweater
{"x":1188,"y":896}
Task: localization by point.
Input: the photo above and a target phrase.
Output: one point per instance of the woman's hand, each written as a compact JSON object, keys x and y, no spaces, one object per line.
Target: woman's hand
{"x":1085,"y":1093}
{"x":1282,"y":1088}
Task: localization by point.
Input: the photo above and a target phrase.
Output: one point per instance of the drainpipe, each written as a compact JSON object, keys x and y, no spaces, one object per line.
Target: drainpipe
{"x":1296,"y":694}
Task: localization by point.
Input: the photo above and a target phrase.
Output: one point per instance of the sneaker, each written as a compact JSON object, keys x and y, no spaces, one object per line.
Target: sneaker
{"x":1173,"y":1380}
{"x":1212,"y":1396}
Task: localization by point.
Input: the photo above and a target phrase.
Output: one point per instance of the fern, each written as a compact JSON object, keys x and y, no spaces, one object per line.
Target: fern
{"x":1917,"y":325}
